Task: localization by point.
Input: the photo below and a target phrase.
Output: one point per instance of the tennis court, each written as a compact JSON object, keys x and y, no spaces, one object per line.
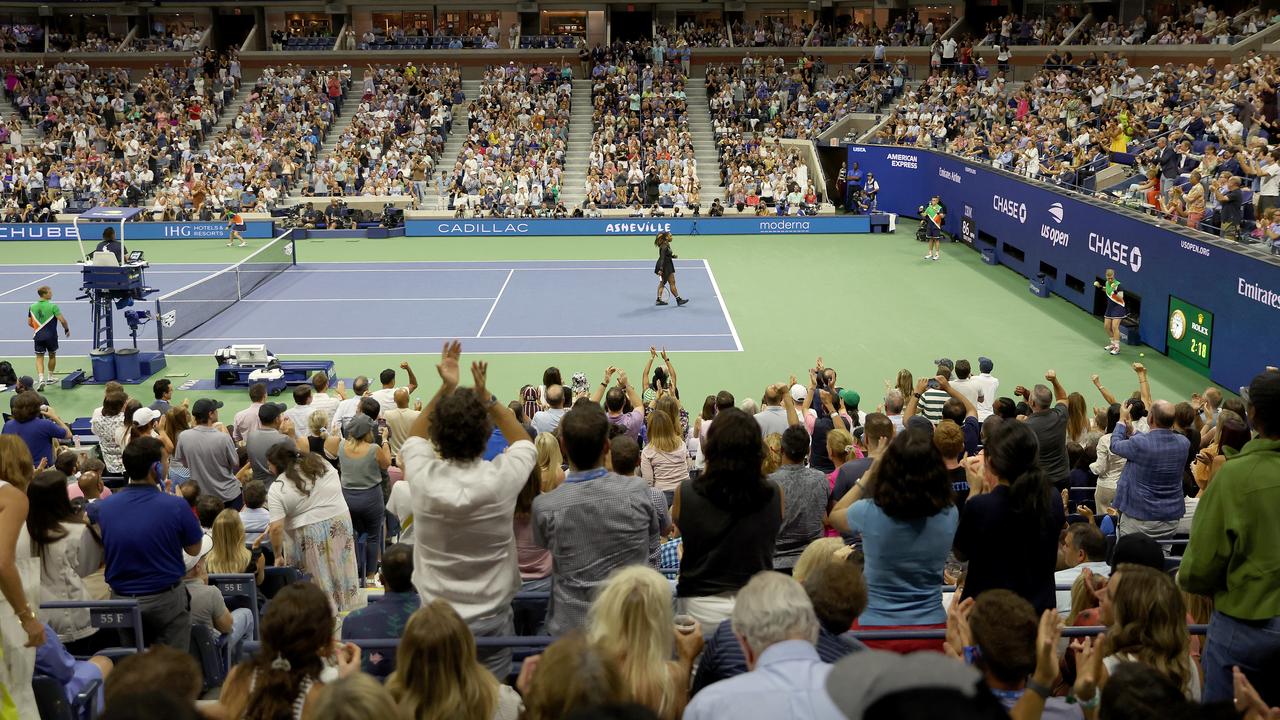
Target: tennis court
{"x":396,"y":308}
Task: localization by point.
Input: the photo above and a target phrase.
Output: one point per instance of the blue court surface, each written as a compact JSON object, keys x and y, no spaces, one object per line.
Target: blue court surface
{"x":553,"y":306}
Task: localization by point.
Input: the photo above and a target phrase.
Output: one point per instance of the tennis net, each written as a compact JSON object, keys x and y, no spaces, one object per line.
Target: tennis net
{"x":180,"y":312}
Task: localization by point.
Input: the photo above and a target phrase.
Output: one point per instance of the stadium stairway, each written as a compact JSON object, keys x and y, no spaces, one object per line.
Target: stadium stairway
{"x":572,"y":184}
{"x":458,"y":135}
{"x":704,"y":141}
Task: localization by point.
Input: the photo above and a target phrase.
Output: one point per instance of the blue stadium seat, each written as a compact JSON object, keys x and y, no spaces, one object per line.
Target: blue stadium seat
{"x":106,"y":615}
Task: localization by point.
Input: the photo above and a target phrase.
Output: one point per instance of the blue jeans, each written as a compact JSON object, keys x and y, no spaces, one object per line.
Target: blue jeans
{"x":1254,"y":645}
{"x":241,"y":630}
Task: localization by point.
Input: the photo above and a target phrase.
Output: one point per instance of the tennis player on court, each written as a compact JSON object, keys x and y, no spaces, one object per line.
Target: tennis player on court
{"x":41,"y":316}
{"x":933,"y":217}
{"x":235,"y":224}
{"x":1115,"y":311}
{"x":666,"y":268}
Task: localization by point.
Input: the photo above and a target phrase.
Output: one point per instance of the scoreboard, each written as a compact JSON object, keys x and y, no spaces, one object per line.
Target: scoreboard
{"x":1190,"y":334}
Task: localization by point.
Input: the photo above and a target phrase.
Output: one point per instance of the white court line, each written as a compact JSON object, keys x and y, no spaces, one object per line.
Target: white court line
{"x":33,"y":282}
{"x":723,"y":308}
{"x":496,"y":300}
{"x":442,"y":337}
{"x":286,"y":300}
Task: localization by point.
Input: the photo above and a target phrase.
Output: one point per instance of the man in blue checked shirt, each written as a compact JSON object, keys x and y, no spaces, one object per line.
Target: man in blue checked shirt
{"x":1149,"y":493}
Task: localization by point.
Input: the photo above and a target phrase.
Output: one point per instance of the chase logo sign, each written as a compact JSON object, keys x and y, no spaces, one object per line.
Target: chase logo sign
{"x":1012,"y":208}
{"x":1130,"y":255}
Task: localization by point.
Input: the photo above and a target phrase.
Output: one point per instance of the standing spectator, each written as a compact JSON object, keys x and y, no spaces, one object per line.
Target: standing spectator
{"x":437,"y":674}
{"x":144,"y":534}
{"x":56,"y":530}
{"x":729,"y":519}
{"x":463,"y":507}
{"x":1149,"y":494}
{"x":1048,"y":419}
{"x":108,"y":426}
{"x":1233,"y":543}
{"x":38,"y":426}
{"x":363,"y":460}
{"x":162,"y":390}
{"x":233,"y":553}
{"x":209,"y":453}
{"x":247,"y":419}
{"x":593,"y":524}
{"x":400,"y":419}
{"x":774,"y":620}
{"x":255,"y":517}
{"x":904,"y":510}
{"x":1010,"y":527}
{"x":386,"y":619}
{"x":548,"y":419}
{"x":311,"y":526}
{"x":616,"y":401}
{"x":20,"y":627}
{"x":664,"y":461}
{"x":321,"y":400}
{"x":348,"y":407}
{"x":804,"y":499}
{"x":386,"y":395}
{"x":779,"y":410}
{"x":1108,"y":466}
{"x":631,"y":623}
{"x":273,"y":429}
{"x":299,"y":416}
{"x":988,"y":388}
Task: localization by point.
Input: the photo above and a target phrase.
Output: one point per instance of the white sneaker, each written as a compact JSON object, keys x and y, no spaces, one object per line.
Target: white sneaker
{"x":928,"y":256}
{"x":1108,"y":346}
{"x":936,"y":256}
{"x":1115,"y":351}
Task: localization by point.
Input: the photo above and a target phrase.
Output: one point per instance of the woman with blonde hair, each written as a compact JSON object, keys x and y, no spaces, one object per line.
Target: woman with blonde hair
{"x":631,"y":622}
{"x":437,"y":675}
{"x":664,"y":461}
{"x":550,"y":469}
{"x":356,"y":697}
{"x":823,"y":551}
{"x":317,"y":433}
{"x":905,"y":384}
{"x":1146,"y":622}
{"x":1078,"y":429}
{"x":772,"y":453}
{"x":230,"y":554}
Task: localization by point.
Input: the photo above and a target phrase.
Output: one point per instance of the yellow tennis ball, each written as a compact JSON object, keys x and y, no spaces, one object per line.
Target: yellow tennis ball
{"x":1142,"y":354}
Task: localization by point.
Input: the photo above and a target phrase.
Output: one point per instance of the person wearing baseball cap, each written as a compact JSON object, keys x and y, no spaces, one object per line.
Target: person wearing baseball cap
{"x":143,"y":424}
{"x":267,"y":435}
{"x":209,"y":453}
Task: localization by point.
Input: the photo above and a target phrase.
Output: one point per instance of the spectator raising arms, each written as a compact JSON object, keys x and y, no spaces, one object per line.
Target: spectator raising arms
{"x":464,"y":507}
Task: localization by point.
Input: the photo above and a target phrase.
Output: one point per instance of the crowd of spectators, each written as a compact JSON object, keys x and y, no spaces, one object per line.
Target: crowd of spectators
{"x":1199,"y":25}
{"x":102,"y":138}
{"x":1074,"y":117}
{"x":512,"y":161}
{"x":21,"y":37}
{"x":1014,"y":29}
{"x":264,"y":153}
{"x":396,"y":134}
{"x":703,"y":33}
{"x":175,"y":39}
{"x":761,"y":101}
{"x":89,"y":42}
{"x":641,"y":150}
{"x":701,"y":563}
{"x":907,"y":29}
